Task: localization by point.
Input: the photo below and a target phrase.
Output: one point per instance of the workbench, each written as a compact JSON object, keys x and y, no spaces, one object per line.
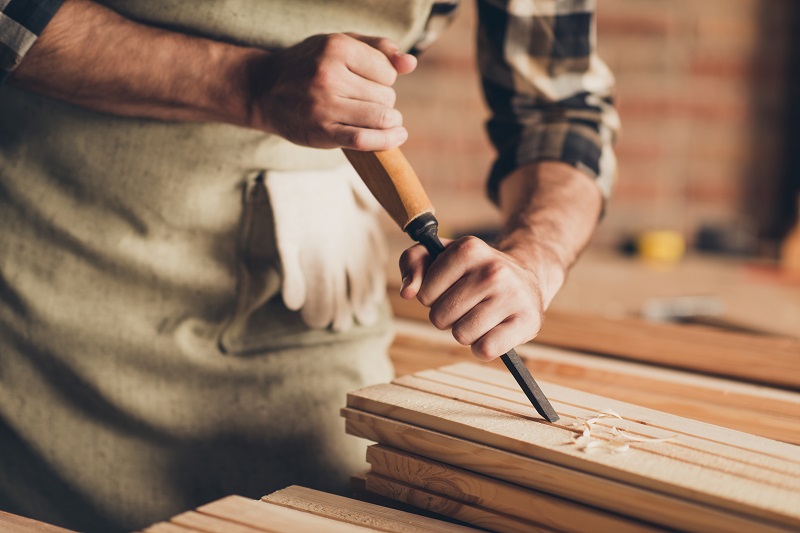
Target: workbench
{"x":622,"y":359}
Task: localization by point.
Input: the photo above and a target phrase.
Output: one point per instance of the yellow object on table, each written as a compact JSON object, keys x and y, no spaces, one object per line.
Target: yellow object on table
{"x":665,"y":246}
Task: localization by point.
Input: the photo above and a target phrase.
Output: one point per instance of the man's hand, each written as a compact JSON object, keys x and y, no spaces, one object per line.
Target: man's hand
{"x":494,"y":299}
{"x":327,"y":91}
{"x":332,"y":90}
{"x":489,"y":299}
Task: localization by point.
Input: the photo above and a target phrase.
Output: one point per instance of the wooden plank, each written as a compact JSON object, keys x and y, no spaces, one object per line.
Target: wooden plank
{"x":700,"y":464}
{"x":12,"y":523}
{"x":462,"y":485}
{"x":210,"y":524}
{"x":493,"y":387}
{"x":459,"y":510}
{"x":359,"y":513}
{"x":274,"y":518}
{"x":166,"y":527}
{"x":762,"y":359}
{"x":754,"y":358}
{"x":763,"y":411}
{"x":663,"y":509}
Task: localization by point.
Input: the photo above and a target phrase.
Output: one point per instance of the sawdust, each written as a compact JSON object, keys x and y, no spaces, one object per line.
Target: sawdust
{"x":604,"y":438}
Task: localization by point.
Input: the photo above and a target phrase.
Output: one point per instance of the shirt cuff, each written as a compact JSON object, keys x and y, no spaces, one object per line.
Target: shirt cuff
{"x":21,"y":23}
{"x":577,"y":146}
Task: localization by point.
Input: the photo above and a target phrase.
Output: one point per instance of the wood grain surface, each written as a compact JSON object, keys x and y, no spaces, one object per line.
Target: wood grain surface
{"x":762,"y":359}
{"x":11,"y":523}
{"x":459,"y":485}
{"x":299,"y":510}
{"x":757,"y":409}
{"x":737,"y":474}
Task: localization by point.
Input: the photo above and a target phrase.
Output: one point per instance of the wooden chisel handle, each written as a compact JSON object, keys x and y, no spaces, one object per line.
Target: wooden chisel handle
{"x":393,"y":182}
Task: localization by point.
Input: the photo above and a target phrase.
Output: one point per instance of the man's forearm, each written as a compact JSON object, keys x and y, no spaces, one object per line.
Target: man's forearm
{"x":91,"y":56}
{"x":552,"y":210}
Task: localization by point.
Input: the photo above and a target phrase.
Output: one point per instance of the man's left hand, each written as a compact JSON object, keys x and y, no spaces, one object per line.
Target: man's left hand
{"x":489,"y":300}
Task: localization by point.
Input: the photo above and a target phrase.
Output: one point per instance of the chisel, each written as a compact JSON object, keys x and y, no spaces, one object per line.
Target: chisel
{"x":395,"y":185}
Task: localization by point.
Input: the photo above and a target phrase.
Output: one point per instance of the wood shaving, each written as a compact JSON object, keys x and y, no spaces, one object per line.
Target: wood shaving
{"x":613,"y":441}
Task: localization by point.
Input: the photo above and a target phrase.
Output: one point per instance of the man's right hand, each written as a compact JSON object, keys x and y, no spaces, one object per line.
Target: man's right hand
{"x":331,"y":91}
{"x":327,"y":91}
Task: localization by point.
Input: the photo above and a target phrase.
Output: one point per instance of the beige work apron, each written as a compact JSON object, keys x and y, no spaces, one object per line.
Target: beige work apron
{"x":129,"y":388}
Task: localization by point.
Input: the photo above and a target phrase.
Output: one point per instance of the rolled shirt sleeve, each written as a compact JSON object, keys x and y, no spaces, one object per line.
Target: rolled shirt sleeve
{"x":550,"y":95}
{"x":21,"y":23}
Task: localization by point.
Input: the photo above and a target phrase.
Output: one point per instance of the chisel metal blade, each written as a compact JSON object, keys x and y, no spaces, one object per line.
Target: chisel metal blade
{"x":529,"y":386}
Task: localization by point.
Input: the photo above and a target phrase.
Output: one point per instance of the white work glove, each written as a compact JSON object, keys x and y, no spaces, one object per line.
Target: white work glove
{"x":331,"y":248}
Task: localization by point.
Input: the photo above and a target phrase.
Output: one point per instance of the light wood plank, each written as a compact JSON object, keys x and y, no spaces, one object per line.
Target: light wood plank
{"x":644,"y":416}
{"x":12,"y":523}
{"x":663,"y":509}
{"x":274,"y":518}
{"x":714,"y":447}
{"x":461,"y":511}
{"x":685,"y":473}
{"x":166,"y":527}
{"x":755,"y":409}
{"x":763,"y":359}
{"x":210,"y":524}
{"x":359,"y":513}
{"x":462,"y":485}
{"x":754,"y":358}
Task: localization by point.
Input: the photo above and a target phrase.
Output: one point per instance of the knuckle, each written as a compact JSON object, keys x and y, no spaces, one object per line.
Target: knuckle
{"x":389,"y":118}
{"x":483,"y":350}
{"x":324,"y":77}
{"x":493,"y":273}
{"x":384,"y":118}
{"x":437,"y":319}
{"x":469,"y":245}
{"x":383,"y":43}
{"x":335,"y":43}
{"x":535,"y":323}
{"x":424,"y":298}
{"x":389,"y":97}
{"x":406,"y":259}
{"x":390,"y":73}
{"x":359,"y":141}
{"x":461,"y":335}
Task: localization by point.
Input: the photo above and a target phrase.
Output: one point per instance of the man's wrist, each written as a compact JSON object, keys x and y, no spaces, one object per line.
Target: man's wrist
{"x":551,"y":209}
{"x":231,"y":94}
{"x":547,"y":267}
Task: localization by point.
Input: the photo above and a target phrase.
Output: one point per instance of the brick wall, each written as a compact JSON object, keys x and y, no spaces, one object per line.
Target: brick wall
{"x":701,"y":93}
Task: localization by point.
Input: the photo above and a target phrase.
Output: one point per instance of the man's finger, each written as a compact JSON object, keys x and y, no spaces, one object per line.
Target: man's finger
{"x":455,"y":303}
{"x":499,"y":340}
{"x":367,"y":140}
{"x":414,"y":262}
{"x":372,"y":63}
{"x":366,"y":115}
{"x":479,"y":321}
{"x":358,"y":88}
{"x":463,"y":255}
{"x":403,"y":63}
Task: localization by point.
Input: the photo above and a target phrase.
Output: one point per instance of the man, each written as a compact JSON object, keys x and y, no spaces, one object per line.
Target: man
{"x":188,"y":276}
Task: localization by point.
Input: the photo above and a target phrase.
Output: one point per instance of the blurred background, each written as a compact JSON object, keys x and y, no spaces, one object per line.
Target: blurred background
{"x":709,"y":97}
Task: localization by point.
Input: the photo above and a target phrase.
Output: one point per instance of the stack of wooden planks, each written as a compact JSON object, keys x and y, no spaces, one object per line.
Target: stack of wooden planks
{"x":765,"y":411}
{"x":464,"y":441}
{"x":300,"y":510}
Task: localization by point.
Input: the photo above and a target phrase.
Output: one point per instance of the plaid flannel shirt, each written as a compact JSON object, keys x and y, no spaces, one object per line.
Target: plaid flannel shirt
{"x":550,"y":95}
{"x":21,"y":22}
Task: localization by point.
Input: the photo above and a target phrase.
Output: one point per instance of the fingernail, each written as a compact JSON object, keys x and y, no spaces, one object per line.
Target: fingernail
{"x":404,"y":283}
